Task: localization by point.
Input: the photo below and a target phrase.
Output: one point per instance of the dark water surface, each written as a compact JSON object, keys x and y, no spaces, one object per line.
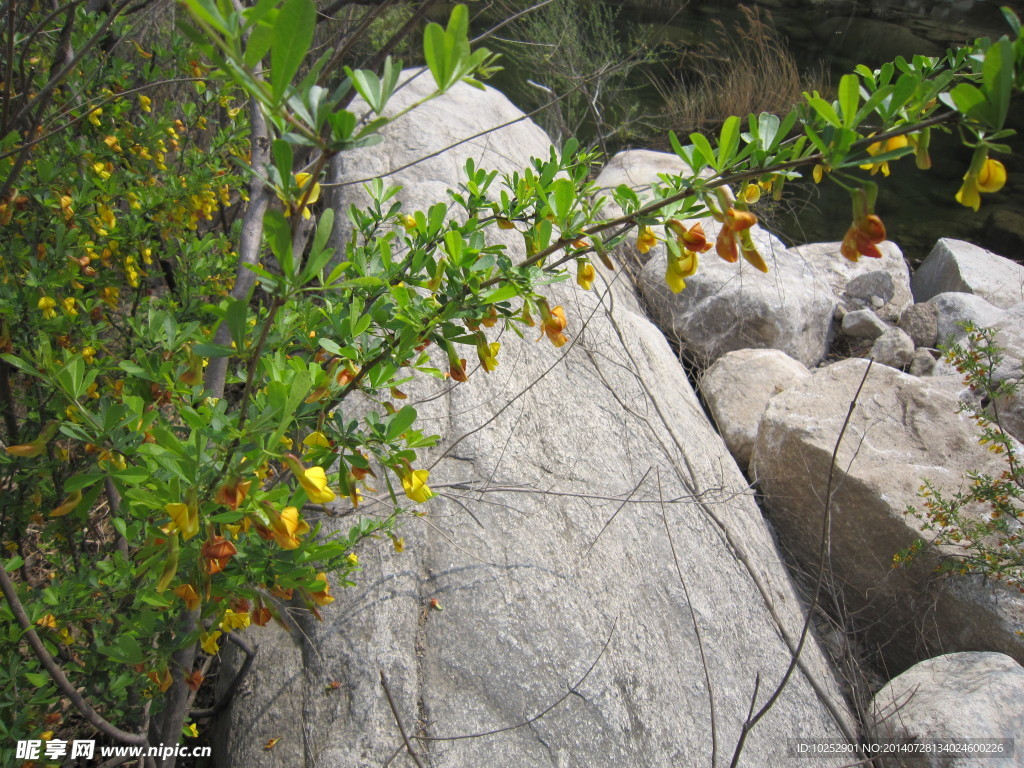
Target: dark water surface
{"x":831,"y":37}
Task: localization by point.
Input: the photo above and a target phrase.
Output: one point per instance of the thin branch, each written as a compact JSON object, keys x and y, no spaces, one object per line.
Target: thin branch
{"x":572,"y":689}
{"x":696,"y":631}
{"x":57,"y":674}
{"x":398,"y":719}
{"x":618,"y":509}
{"x":250,"y":656}
{"x":826,"y":525}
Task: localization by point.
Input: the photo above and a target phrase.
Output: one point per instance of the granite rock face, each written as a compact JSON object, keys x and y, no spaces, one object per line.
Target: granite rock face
{"x":904,"y":429}
{"x":737,"y":389}
{"x":589,"y":524}
{"x":955,"y":266}
{"x":959,"y":697}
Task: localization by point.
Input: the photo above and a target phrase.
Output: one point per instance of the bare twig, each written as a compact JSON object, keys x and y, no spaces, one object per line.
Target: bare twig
{"x":696,"y":631}
{"x":398,"y":719}
{"x":229,"y":692}
{"x":572,"y":689}
{"x":826,"y":525}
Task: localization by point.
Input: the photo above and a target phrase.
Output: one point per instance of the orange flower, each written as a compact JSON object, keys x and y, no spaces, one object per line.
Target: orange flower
{"x":733,"y":223}
{"x":585,"y":274}
{"x":232,"y":493}
{"x":861,"y":238}
{"x":217,"y":551}
{"x":552,"y":323}
{"x":188,"y":593}
{"x":323,"y":597}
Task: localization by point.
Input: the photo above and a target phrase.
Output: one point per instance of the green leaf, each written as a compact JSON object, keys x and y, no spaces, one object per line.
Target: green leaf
{"x":436,"y":54}
{"x":38,"y":679}
{"x":293,"y":34}
{"x":279,"y":237}
{"x":997,"y":76}
{"x":849,"y":99}
{"x":767,"y":130}
{"x":728,"y":141}
{"x":504,"y":293}
{"x":401,"y":421}
{"x":213,"y":350}
{"x":700,"y":141}
{"x":283,"y":161}
{"x":562,"y":197}
{"x":825,"y":110}
{"x":236,"y":317}
{"x":968,"y":100}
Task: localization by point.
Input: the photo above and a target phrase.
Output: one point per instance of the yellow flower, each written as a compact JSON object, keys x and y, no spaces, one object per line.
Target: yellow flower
{"x":191,"y":728}
{"x":751,"y":194}
{"x":101,"y":170}
{"x":645,"y":240}
{"x":46,"y":304}
{"x":585,"y":274}
{"x":896,"y":142}
{"x":94,"y":116}
{"x":69,"y":306}
{"x":65,"y":207}
{"x":316,"y":439}
{"x":352,"y":558}
{"x":414,"y":483}
{"x":984,"y":175}
{"x":89,"y":354}
{"x":408,"y":222}
{"x":208,"y":641}
{"x":487,"y":352}
{"x":146,"y":103}
{"x":312,"y":480}
{"x":186,"y":518}
{"x":233,"y":620}
{"x":301,"y":180}
{"x":324,"y":596}
{"x":287,"y":527}
{"x":49,"y":621}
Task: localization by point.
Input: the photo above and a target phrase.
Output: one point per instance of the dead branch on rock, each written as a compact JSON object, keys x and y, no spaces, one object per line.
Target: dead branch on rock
{"x":398,"y":719}
{"x":752,"y":719}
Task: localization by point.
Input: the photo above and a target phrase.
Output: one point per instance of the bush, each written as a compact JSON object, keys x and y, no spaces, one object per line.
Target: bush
{"x":981,"y":524}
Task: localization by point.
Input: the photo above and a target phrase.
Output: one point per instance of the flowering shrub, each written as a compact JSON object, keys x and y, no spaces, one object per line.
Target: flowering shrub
{"x":982,"y":524}
{"x":180,"y":345}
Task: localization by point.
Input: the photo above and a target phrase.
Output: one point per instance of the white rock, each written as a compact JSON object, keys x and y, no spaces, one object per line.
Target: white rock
{"x":863,"y":324}
{"x":903,"y":431}
{"x":737,"y":389}
{"x":893,"y":348}
{"x":958,"y":697}
{"x":841,"y":273}
{"x":961,"y":267}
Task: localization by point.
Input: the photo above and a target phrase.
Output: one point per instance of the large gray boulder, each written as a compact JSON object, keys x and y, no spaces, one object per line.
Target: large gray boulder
{"x":589,"y":525}
{"x":962,"y":698}
{"x":862,"y":284}
{"x":737,"y":389}
{"x":726,"y":307}
{"x":903,"y":431}
{"x":961,"y":267}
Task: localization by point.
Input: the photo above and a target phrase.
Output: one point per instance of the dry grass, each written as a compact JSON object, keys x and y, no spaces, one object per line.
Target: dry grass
{"x":738,"y":70}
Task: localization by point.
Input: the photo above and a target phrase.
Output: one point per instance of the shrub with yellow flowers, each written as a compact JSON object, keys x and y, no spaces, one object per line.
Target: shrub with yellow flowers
{"x":178,"y":336}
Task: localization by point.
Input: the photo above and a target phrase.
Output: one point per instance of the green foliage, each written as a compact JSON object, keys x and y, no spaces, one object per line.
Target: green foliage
{"x":981,"y":524}
{"x":173,"y":431}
